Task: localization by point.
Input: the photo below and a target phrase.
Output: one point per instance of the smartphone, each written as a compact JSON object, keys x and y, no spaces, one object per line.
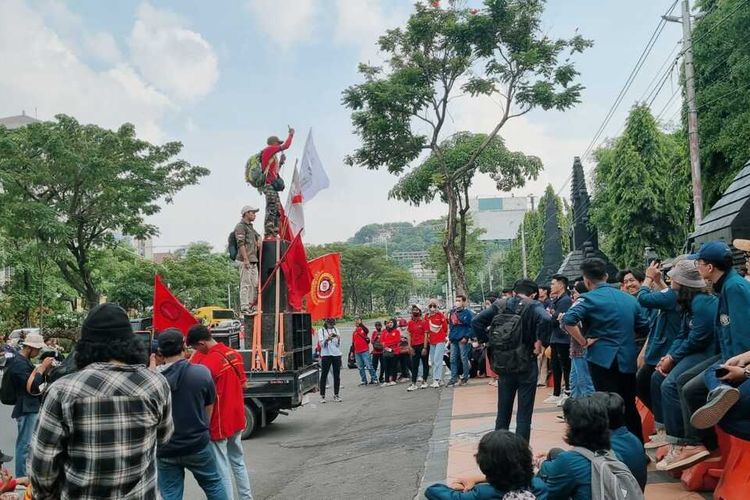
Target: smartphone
{"x":721,"y":371}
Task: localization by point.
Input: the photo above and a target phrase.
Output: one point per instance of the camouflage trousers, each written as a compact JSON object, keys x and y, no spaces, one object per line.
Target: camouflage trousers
{"x":273,"y":203}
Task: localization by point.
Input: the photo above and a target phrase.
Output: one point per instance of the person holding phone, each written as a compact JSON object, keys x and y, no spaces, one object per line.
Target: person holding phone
{"x":330,"y":358}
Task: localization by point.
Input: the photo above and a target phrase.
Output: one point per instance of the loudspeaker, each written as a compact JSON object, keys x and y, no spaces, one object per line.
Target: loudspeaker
{"x":297,"y":331}
{"x":267,"y":265}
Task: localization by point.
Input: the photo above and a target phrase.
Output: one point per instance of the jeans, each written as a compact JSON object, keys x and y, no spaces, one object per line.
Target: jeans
{"x":665,"y":395}
{"x":460,"y":352}
{"x":25,"y":424}
{"x":736,"y":422}
{"x":437,"y":352}
{"x":203,"y":466}
{"x":560,"y":367}
{"x":416,"y":359}
{"x":693,"y":391}
{"x":508,"y":385}
{"x":364,"y":363}
{"x":580,"y":379}
{"x":643,"y":389}
{"x":613,"y":380}
{"x":230,"y":460}
{"x":326,"y":363}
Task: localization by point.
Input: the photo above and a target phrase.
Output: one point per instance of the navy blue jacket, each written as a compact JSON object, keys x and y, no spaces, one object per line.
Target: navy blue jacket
{"x":666,"y":326}
{"x":482,"y":491}
{"x":629,"y":450}
{"x":560,"y":305}
{"x":614,"y":317}
{"x":697,"y":329}
{"x":733,"y":319}
{"x":462,"y":329}
{"x":536,"y":321}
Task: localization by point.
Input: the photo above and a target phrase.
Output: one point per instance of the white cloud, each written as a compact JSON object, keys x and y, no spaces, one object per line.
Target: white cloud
{"x":174,"y":58}
{"x":102,"y":46}
{"x":362,"y":22}
{"x":42,"y":72}
{"x":287,"y":23}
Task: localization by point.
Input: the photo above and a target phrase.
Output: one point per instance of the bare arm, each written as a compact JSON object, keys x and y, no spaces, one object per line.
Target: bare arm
{"x":575,"y":332}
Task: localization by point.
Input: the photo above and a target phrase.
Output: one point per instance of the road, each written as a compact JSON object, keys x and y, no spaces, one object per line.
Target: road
{"x":371,"y":446}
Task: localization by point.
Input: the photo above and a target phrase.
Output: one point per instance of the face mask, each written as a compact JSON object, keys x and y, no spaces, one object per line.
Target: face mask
{"x":415,"y":314}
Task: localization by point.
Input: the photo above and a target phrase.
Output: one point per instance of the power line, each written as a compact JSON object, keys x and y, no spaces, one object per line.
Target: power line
{"x":629,"y":82}
{"x":667,"y":61}
{"x":669,"y":102}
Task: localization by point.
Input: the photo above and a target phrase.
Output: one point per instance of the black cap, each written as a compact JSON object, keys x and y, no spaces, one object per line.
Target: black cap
{"x":106,"y":322}
{"x":171,"y":342}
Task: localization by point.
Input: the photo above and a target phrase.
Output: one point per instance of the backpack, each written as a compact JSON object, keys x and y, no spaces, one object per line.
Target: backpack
{"x":508,"y":352}
{"x":8,"y":395}
{"x":254,"y":173}
{"x":232,"y":247}
{"x":610,"y":478}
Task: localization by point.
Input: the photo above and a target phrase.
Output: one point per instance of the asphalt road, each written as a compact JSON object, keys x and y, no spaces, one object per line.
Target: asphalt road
{"x":371,"y":446}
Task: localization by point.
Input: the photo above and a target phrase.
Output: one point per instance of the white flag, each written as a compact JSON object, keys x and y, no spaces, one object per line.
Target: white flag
{"x":294,"y":213}
{"x":313,"y":176}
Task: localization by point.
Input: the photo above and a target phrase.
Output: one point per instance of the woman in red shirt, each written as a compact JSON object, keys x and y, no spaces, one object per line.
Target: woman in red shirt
{"x":390,"y":338}
{"x":361,"y":343}
{"x":437,"y":329}
{"x":420,"y":348}
{"x":377,"y":350}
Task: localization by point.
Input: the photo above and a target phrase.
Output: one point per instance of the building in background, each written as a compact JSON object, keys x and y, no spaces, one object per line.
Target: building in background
{"x":499,"y":217}
{"x":416,"y":263}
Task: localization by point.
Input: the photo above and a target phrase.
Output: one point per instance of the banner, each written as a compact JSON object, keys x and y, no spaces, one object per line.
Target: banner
{"x":297,"y":273}
{"x":168,"y":311}
{"x":312,"y":175}
{"x":326,"y":295}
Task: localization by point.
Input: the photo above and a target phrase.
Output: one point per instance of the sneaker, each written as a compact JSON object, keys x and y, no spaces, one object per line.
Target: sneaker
{"x":493,"y":382}
{"x":337,"y":399}
{"x":682,"y":457}
{"x":720,"y":401}
{"x":560,"y":418}
{"x":419,"y":380}
{"x":657,"y":440}
{"x":552,"y":400}
{"x":391,"y":383}
{"x":403,"y":380}
{"x":323,"y":400}
{"x":561,"y":401}
{"x":451,"y":383}
{"x":435,"y":385}
{"x":411,"y":388}
{"x":423,"y":386}
{"x":463,"y":381}
{"x":363,"y":383}
{"x":374,"y":382}
{"x":384,"y":384}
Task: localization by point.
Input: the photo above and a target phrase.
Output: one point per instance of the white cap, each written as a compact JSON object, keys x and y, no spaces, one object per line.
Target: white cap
{"x":34,"y":340}
{"x":248,"y":208}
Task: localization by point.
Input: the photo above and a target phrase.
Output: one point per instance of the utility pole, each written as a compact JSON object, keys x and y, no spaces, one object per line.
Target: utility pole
{"x":523,"y":250}
{"x":695,"y":162}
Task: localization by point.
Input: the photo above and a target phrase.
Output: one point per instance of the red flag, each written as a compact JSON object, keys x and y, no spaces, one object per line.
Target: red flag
{"x":326,"y":297}
{"x":297,"y":273}
{"x":168,"y":311}
{"x":285,"y":227}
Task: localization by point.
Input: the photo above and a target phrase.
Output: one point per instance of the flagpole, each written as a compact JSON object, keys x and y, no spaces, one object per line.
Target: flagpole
{"x":289,"y":204}
{"x":278,"y":264}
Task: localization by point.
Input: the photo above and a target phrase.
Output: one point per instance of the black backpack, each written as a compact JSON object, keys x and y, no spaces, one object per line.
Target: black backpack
{"x":507,"y":350}
{"x":232,"y":247}
{"x":8,"y":395}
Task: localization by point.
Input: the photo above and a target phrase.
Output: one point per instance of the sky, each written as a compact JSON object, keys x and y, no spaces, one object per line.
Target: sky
{"x":220,"y":77}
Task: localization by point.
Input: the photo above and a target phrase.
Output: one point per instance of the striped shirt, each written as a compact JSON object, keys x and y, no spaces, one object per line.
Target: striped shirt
{"x":97,"y":434}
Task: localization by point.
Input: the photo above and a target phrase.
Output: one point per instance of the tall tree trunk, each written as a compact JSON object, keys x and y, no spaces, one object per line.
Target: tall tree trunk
{"x":452,"y":256}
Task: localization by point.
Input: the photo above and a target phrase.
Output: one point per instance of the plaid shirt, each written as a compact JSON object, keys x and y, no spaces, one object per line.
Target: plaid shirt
{"x":97,"y":434}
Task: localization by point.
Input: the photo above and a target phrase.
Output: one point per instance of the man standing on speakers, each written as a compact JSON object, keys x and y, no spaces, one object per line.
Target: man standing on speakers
{"x":248,"y":240}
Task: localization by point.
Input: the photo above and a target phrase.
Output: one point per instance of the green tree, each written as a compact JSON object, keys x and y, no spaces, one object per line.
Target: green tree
{"x":641,"y":193}
{"x":399,"y":111}
{"x":474,"y":260}
{"x":722,"y":81}
{"x":125,"y":277}
{"x":71,"y":186}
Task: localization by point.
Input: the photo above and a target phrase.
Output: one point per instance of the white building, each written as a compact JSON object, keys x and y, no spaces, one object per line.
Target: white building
{"x":499,"y":217}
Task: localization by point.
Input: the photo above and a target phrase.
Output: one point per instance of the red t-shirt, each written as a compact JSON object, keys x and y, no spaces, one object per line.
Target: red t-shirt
{"x":417,"y":329}
{"x":268,"y":159}
{"x":437,"y":326}
{"x":392,"y":339}
{"x":359,"y":337}
{"x":228,"y":372}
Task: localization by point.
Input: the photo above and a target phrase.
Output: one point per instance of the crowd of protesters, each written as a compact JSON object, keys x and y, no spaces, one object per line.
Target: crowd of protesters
{"x":121,"y":424}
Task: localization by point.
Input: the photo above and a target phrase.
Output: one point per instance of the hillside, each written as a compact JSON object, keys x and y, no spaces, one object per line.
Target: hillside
{"x":400,"y":236}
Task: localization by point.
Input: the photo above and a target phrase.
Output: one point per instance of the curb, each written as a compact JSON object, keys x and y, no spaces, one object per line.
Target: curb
{"x":436,"y":463}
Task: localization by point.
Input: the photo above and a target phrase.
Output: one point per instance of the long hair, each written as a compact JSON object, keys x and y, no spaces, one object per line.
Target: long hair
{"x":129,"y":350}
{"x":505,"y":458}
{"x":685,"y":296}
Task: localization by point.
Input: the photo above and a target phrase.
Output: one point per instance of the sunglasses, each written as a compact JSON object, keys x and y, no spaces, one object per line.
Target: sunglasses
{"x":433,"y":307}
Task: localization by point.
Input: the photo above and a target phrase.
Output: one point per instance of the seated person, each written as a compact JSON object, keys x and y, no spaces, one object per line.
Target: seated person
{"x":728,"y":403}
{"x":627,"y":447}
{"x":7,"y":483}
{"x":506,"y":461}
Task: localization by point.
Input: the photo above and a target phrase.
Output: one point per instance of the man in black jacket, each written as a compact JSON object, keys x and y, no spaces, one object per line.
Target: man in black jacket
{"x":535,"y":328}
{"x":560,"y":340}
